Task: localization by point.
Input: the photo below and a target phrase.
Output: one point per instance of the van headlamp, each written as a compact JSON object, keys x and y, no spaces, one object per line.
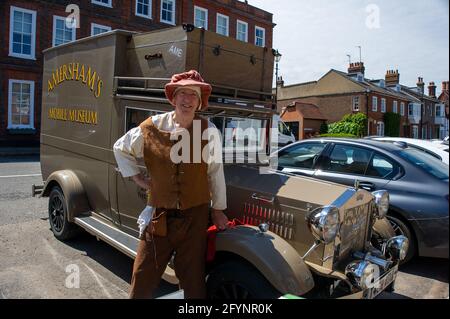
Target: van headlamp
{"x":381,"y":203}
{"x":323,"y":222}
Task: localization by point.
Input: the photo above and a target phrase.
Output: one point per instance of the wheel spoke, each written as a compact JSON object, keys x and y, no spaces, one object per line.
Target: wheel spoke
{"x":234,"y":291}
{"x":225,"y":292}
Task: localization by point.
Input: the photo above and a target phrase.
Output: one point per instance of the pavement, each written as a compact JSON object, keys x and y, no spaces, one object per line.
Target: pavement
{"x":34,"y":264}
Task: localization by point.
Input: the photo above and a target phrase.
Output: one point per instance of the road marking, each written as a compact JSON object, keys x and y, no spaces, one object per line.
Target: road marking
{"x":96,"y":277}
{"x":10,"y":176}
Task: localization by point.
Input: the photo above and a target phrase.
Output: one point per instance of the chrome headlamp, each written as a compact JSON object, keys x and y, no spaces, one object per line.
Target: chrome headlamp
{"x":396,"y":247}
{"x":382,"y":203}
{"x":323,"y":223}
{"x":362,"y":273}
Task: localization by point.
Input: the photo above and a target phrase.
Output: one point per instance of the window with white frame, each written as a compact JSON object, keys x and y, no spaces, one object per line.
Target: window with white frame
{"x":144,"y":8}
{"x":395,"y":107}
{"x":355,"y":103}
{"x":411,"y":109}
{"x":20,"y":104}
{"x":200,"y":18}
{"x":223,"y":25}
{"x":374,"y":103}
{"x":98,"y":28}
{"x":402,"y":108}
{"x":380,"y":129}
{"x":260,"y":37}
{"x":439,"y":110}
{"x":383,"y":105}
{"x":61,"y":33}
{"x":168,"y":11}
{"x":22,"y":33}
{"x":242,"y":31}
{"x":105,"y":3}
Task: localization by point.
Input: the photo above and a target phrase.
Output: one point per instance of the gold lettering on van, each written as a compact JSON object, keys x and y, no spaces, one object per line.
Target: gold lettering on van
{"x":73,"y":115}
{"x":85,"y":74}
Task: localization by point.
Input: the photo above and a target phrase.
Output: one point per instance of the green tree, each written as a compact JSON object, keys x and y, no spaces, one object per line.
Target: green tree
{"x":392,"y":124}
{"x":354,"y":124}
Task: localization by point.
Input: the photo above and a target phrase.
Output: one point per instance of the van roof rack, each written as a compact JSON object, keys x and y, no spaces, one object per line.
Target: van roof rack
{"x":228,"y":96}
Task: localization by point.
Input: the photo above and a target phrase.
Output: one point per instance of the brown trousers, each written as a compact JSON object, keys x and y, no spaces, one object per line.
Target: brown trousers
{"x":186,"y":236}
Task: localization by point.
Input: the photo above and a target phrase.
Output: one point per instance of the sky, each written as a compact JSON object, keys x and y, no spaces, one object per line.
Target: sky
{"x":315,"y":36}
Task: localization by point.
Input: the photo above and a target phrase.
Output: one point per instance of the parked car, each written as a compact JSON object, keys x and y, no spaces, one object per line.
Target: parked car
{"x":435,"y":149}
{"x":417,"y":183}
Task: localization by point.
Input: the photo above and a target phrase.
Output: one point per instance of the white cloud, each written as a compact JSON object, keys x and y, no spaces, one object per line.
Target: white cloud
{"x":316,"y":35}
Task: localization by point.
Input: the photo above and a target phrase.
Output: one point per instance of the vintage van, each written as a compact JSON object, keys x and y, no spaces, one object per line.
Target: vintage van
{"x":300,"y":236}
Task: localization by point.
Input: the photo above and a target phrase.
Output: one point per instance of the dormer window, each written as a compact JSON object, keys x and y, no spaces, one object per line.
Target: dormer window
{"x":382,"y":84}
{"x":360,"y":77}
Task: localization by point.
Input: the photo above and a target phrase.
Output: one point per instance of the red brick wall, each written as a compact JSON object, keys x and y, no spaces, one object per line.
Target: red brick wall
{"x":234,"y":10}
{"x":379,"y":116}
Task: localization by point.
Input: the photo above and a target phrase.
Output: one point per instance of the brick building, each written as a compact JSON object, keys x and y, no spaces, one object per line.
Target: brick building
{"x":305,"y":116}
{"x":432,"y":112}
{"x":29,"y":27}
{"x":444,"y":99}
{"x":339,"y":93}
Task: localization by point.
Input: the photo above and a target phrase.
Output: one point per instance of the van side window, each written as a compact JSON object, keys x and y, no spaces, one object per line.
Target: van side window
{"x":134,"y":117}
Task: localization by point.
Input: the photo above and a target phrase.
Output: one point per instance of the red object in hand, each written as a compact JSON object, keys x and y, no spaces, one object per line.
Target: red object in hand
{"x":211,"y":238}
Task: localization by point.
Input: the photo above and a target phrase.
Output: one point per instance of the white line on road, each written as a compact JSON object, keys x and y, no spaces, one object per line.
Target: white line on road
{"x":30,"y":175}
{"x":96,"y":277}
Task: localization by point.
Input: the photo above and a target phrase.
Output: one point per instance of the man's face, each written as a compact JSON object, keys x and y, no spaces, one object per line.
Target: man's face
{"x":186,"y":103}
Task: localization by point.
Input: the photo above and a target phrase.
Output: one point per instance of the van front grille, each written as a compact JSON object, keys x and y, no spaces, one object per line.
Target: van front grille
{"x":280,"y":223}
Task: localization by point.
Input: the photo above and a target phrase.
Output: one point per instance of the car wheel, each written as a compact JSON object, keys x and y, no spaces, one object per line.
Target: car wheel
{"x":57,"y":213}
{"x":400,"y":228}
{"x":237,"y":280}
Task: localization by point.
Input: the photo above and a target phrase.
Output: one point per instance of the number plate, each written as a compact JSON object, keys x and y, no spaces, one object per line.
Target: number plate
{"x":381,"y":284}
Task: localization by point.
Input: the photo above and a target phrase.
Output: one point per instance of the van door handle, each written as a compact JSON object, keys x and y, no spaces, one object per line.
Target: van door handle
{"x":368,"y":186}
{"x":263,"y":199}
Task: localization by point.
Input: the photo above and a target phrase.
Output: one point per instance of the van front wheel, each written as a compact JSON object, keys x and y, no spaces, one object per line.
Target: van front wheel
{"x":237,"y":280}
{"x":57,"y":216}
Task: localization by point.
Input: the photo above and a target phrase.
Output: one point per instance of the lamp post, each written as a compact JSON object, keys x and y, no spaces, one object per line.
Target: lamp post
{"x":277,"y":56}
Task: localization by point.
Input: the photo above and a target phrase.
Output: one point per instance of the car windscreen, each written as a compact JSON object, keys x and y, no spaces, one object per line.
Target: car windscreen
{"x":426,"y":162}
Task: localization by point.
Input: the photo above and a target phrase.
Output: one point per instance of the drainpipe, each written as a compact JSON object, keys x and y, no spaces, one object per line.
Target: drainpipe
{"x":367,"y":111}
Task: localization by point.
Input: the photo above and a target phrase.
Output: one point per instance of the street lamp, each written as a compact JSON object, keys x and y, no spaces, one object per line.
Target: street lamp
{"x":277,"y":56}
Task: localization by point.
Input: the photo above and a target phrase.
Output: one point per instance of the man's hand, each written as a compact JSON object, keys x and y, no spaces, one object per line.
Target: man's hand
{"x":142,"y":181}
{"x":219,"y":219}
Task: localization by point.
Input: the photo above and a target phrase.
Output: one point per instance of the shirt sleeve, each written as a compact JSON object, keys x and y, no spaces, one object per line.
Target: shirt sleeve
{"x":216,"y":176}
{"x":127,"y":150}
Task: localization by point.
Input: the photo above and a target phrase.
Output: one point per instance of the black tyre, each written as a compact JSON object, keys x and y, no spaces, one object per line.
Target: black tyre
{"x":400,"y":228}
{"x":238,"y":280}
{"x":57,"y":216}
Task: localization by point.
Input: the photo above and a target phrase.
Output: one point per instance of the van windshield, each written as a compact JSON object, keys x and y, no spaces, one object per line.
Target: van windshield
{"x":283,"y":129}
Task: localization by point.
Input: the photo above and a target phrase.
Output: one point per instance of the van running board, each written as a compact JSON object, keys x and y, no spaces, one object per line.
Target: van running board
{"x":116,"y":238}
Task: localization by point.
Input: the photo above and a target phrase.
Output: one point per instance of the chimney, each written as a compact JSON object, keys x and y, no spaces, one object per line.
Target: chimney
{"x":445,"y":86}
{"x":432,"y":89}
{"x":357,"y":67}
{"x":421,"y":85}
{"x":392,"y":78}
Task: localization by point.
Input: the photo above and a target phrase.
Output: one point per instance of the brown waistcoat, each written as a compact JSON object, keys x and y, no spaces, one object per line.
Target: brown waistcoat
{"x":180,"y":186}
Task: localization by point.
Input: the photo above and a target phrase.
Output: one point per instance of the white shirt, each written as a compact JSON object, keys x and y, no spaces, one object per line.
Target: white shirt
{"x":130,"y":147}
